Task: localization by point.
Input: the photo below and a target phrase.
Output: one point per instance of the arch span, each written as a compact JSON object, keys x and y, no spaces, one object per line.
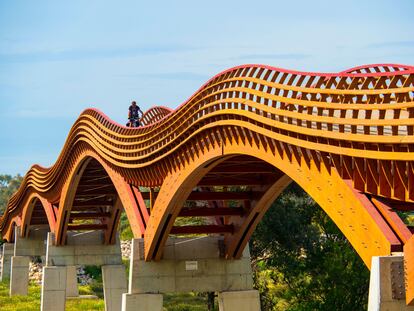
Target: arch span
{"x":37,"y":211}
{"x":353,"y":213}
{"x":93,"y":198}
{"x":8,"y":235}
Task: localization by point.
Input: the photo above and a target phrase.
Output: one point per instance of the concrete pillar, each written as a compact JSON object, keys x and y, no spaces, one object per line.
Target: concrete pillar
{"x":142,"y":302}
{"x":114,"y":285}
{"x":24,"y":248}
{"x":33,"y":245}
{"x":71,"y":282}
{"x":189,"y":264}
{"x":386,"y":285}
{"x":83,"y":249}
{"x":7,"y":253}
{"x":19,"y":276}
{"x":248,"y":300}
{"x":59,"y":274}
{"x":53,"y":296}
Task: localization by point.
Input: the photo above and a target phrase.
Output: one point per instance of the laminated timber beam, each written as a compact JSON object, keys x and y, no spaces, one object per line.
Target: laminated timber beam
{"x":202,"y":229}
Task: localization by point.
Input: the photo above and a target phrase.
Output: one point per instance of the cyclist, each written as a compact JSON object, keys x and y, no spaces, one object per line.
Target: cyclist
{"x":134,"y":115}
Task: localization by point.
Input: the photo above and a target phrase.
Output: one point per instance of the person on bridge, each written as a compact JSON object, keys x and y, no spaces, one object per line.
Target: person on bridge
{"x":134,"y":115}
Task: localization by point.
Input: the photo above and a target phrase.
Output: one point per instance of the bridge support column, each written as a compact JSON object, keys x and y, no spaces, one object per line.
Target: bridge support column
{"x":114,"y":285}
{"x":239,"y":301}
{"x":54,"y":288}
{"x":144,"y":302}
{"x":82,"y":249}
{"x":71,"y":282}
{"x":195,"y":264}
{"x":33,"y":245}
{"x":7,"y":253}
{"x":19,"y":276}
{"x":386,"y":286}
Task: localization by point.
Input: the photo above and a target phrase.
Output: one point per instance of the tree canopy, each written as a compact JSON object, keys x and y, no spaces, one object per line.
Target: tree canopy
{"x":302,"y":261}
{"x":8,"y":185}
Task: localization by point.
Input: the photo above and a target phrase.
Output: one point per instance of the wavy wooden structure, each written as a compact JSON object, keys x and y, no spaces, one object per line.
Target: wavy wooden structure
{"x":346,"y":138}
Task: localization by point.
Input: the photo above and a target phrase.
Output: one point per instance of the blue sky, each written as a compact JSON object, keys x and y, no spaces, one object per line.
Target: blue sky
{"x":59,"y":57}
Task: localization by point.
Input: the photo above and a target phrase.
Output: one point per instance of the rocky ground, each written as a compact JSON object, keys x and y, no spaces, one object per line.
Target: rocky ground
{"x":35,"y":274}
{"x":35,"y":268}
{"x":126,"y":248}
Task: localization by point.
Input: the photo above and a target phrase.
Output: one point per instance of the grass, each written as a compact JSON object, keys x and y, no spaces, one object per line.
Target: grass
{"x":31,"y":302}
{"x":185,"y":302}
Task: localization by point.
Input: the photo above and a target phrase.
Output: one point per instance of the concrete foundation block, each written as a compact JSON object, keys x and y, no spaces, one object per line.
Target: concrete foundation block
{"x":236,"y":282}
{"x":71,"y":282}
{"x":114,"y":285}
{"x":239,"y":301}
{"x":33,"y":245}
{"x":19,"y":275}
{"x":241,"y":266}
{"x":53,"y":296}
{"x":386,"y":285}
{"x":85,"y":238}
{"x":80,"y":251}
{"x":7,"y":253}
{"x":142,"y":302}
{"x":209,"y":283}
{"x":188,"y":265}
{"x":183,"y":248}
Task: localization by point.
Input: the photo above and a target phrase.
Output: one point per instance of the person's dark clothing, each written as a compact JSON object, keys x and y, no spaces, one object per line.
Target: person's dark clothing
{"x":134,"y":112}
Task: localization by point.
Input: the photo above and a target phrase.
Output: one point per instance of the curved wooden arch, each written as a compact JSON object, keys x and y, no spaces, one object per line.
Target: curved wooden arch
{"x":8,"y":235}
{"x":368,"y":233}
{"x":28,"y":210}
{"x":129,"y":198}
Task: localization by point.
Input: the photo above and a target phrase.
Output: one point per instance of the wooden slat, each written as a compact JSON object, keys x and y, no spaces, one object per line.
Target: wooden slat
{"x":208,"y":211}
{"x":239,"y":181}
{"x":82,"y":227}
{"x":243,"y":168}
{"x":89,"y":215}
{"x":215,"y":196}
{"x":203,"y":229}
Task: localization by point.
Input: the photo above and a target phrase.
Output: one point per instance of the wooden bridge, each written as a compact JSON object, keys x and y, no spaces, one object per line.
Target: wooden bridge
{"x":346,"y":138}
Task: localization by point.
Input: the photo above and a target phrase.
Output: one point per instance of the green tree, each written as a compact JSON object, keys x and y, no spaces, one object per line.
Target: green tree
{"x":303,"y":262}
{"x":8,"y":185}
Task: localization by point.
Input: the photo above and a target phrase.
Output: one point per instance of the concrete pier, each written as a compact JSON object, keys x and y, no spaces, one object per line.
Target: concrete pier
{"x":59,"y":278}
{"x":24,"y":248}
{"x":239,"y":300}
{"x":7,"y":253}
{"x":114,"y":285}
{"x":83,"y":249}
{"x":53,"y":289}
{"x":19,"y":276}
{"x":386,"y":287}
{"x":142,"y":302}
{"x":189,"y":265}
{"x":33,"y":245}
{"x":71,"y":282}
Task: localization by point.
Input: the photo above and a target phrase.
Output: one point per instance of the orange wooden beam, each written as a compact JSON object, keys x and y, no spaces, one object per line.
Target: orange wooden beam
{"x":409,"y":271}
{"x":208,"y":211}
{"x":394,"y":221}
{"x":80,"y":227}
{"x":202,"y":229}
